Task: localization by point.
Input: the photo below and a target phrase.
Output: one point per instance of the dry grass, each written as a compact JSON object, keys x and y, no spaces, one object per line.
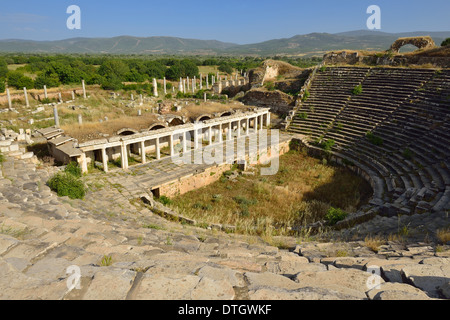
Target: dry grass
{"x":374,"y":243}
{"x":443,"y":235}
{"x":301,"y":193}
{"x":94,"y":130}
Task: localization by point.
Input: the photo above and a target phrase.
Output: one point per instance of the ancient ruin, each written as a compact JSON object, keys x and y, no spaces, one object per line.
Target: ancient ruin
{"x":422,"y":43}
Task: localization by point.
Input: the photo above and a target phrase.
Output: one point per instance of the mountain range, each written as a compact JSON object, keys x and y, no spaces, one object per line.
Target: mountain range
{"x":308,"y":44}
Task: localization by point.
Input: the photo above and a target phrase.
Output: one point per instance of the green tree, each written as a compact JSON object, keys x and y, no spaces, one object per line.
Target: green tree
{"x":2,"y":85}
{"x":19,"y":80}
{"x":226,"y":68}
{"x":51,"y":80}
{"x":446,"y":42}
{"x":3,"y":68}
{"x":114,"y":69}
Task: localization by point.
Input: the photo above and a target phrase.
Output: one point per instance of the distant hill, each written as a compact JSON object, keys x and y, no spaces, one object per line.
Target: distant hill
{"x":118,"y":45}
{"x":317,"y":43}
{"x":308,"y":44}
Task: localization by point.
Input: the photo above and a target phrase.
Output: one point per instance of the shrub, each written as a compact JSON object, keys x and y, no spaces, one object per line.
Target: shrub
{"x":327,"y":145}
{"x":357,"y":90}
{"x":302,"y":115}
{"x":164,"y":200}
{"x":270,"y":86}
{"x":334,"y":215}
{"x":375,"y":140}
{"x":65,"y":184}
{"x":74,"y":169}
{"x":407,"y":154}
{"x":446,"y":42}
{"x":306,"y":95}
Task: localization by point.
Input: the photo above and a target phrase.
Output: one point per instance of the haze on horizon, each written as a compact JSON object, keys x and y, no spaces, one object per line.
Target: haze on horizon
{"x":240,"y":22}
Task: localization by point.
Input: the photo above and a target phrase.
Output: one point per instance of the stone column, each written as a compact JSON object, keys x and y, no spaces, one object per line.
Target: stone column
{"x":60,"y":97}
{"x":184,"y":86}
{"x":155,"y":87}
{"x":82,"y":161}
{"x":220,"y":133}
{"x":204,"y":97}
{"x":143,"y":154}
{"x":171,"y":146}
{"x":84,"y":89}
{"x":193,"y":85}
{"x":187,"y":81}
{"x":184,"y":142}
{"x":73,"y":95}
{"x":230,"y":130}
{"x":207,"y":82}
{"x":165,"y":86}
{"x":180,"y":86}
{"x":255,"y":126}
{"x":195,"y":139}
{"x":56,"y":117}
{"x":27,"y":103}
{"x":124,"y":155}
{"x":80,"y":119}
{"x":247,"y":128}
{"x":9,"y":98}
{"x":104,"y":160}
{"x":45,"y":92}
{"x":268,"y":119}
{"x":201,"y":81}
{"x":158,"y":150}
{"x":262,"y":123}
{"x":239,"y":129}
{"x":210,"y":135}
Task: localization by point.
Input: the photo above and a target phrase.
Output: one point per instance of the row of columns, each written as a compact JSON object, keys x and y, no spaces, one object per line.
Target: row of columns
{"x":27,"y":103}
{"x":258,"y":124}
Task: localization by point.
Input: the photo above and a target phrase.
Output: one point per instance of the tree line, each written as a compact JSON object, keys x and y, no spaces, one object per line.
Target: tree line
{"x":109,"y":71}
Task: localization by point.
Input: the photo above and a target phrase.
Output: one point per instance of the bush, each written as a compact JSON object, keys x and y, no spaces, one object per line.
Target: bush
{"x":165,"y":200}
{"x":65,"y":184}
{"x":446,"y":42}
{"x":357,"y":90}
{"x":74,"y":169}
{"x":334,"y":215}
{"x":375,"y":140}
{"x":2,"y":85}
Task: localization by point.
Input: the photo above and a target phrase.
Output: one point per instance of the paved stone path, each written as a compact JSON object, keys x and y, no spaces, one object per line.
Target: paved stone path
{"x":123,"y":251}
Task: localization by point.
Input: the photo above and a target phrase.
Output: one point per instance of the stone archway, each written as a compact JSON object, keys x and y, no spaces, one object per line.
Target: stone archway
{"x":419,"y":42}
{"x":127,"y":132}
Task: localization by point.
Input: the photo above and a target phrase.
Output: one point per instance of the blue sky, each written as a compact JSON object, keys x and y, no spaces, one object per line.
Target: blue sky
{"x":238,"y":21}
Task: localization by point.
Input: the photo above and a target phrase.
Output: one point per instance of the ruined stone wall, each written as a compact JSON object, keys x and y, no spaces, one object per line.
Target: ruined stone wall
{"x":353,"y":58}
{"x":277,"y":101}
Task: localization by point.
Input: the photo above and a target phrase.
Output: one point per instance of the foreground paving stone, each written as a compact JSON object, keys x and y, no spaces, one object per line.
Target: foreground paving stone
{"x":396,"y":291}
{"x":307,"y":293}
{"x":428,"y":278}
{"x":267,"y":279}
{"x":357,"y":281}
{"x":110,"y":284}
